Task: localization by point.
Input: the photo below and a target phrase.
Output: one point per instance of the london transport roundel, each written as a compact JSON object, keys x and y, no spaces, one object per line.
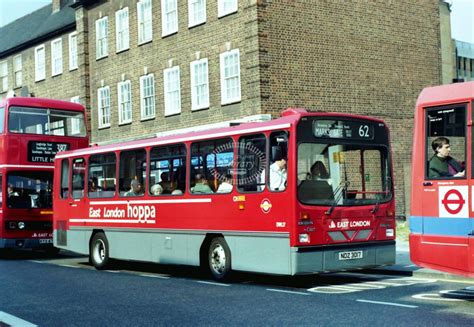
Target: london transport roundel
{"x":266,"y":205}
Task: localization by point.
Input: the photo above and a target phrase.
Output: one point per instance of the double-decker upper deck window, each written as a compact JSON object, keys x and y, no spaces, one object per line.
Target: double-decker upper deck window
{"x":446,"y":142}
{"x":27,"y":120}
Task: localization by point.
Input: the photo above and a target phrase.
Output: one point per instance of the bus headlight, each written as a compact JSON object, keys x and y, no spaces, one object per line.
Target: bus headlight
{"x":304,"y":238}
{"x":21,"y":225}
{"x":389,"y":232}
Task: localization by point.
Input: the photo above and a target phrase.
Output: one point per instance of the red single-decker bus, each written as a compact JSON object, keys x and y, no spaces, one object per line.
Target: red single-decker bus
{"x":304,"y":193}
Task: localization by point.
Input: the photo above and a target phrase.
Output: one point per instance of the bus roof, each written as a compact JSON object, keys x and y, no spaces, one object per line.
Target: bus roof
{"x":449,"y":93}
{"x":288,"y":117}
{"x":42,"y":103}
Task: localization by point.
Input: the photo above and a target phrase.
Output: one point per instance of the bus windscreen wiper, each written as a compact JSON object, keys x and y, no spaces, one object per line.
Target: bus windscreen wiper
{"x":338,"y":194}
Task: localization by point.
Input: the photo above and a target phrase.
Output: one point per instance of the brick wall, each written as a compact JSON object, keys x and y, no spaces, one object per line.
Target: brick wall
{"x":210,"y":39}
{"x":363,"y":57}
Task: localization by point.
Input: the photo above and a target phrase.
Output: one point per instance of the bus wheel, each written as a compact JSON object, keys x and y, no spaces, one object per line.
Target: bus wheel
{"x":219,"y":259}
{"x":99,"y":251}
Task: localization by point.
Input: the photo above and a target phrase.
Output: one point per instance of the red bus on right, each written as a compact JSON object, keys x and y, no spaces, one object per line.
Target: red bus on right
{"x":442,"y":196}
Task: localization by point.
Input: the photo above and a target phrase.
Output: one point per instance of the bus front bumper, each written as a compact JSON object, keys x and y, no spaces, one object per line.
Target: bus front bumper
{"x":25,"y":243}
{"x":309,"y":260}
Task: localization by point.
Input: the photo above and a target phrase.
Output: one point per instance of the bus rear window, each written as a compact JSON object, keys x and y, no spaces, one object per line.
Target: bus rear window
{"x":43,"y":121}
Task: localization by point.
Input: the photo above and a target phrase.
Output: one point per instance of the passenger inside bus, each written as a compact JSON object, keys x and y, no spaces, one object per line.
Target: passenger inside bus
{"x":135,"y":188}
{"x":226,"y":185}
{"x":278,"y":172}
{"x":165,"y":183}
{"x":11,"y":191}
{"x":202,"y":185}
{"x":156,"y":189}
{"x":441,"y":164}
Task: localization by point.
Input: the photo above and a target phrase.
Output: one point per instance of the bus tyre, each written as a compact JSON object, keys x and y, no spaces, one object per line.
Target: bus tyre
{"x":99,"y":251}
{"x":219,"y":259}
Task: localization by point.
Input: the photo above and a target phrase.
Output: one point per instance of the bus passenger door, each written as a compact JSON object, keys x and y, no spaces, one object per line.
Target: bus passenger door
{"x":446,"y":188}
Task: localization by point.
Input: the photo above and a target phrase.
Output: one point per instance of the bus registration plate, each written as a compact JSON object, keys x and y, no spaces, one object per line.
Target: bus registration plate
{"x":46,"y":241}
{"x":351,"y":255}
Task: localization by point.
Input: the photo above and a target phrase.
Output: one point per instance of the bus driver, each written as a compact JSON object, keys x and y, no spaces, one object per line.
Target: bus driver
{"x":441,"y":163}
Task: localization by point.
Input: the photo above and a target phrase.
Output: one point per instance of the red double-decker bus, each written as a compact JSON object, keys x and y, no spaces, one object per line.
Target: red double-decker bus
{"x":32,"y":131}
{"x":442,"y":199}
{"x":304,"y":193}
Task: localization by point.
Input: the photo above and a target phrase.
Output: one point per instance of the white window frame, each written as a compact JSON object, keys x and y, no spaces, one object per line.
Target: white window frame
{"x":172,"y":88}
{"x":226,"y":98}
{"x":101,"y":37}
{"x":17,"y":71}
{"x":226,"y":7}
{"x":193,"y":14}
{"x":56,"y":57}
{"x":199,"y":84}
{"x":73,"y":51}
{"x":40,"y":63}
{"x":144,"y":97}
{"x":124,"y":102}
{"x":4,"y":76}
{"x":145,"y":21}
{"x":103,"y":106}
{"x":75,"y":123}
{"x":122,"y":30}
{"x":167,"y":27}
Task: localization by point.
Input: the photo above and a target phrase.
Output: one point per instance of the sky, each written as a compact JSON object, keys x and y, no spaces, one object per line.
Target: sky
{"x":462,"y":15}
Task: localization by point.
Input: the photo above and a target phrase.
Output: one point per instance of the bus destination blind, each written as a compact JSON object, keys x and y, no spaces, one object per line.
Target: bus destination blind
{"x":44,"y":152}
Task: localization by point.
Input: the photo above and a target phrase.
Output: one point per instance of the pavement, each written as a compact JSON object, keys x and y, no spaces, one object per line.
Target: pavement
{"x":404,"y":266}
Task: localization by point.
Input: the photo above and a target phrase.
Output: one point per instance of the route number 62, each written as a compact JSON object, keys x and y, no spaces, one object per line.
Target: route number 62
{"x":364,"y":131}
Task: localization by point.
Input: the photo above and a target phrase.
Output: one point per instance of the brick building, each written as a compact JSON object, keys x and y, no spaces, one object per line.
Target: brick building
{"x":148,"y":66}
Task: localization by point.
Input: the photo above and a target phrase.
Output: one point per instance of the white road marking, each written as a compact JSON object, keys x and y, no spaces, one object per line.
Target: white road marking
{"x":288,"y":292}
{"x":155,"y":276}
{"x":70,"y":266}
{"x":434,"y":297}
{"x":212,"y":283}
{"x":13,"y":321}
{"x":389,"y":303}
{"x":37,"y":261}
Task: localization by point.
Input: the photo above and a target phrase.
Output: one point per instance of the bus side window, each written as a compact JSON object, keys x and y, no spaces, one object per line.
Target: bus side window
{"x":78,"y":178}
{"x":167,"y":170}
{"x":64,"y":179}
{"x":445,"y":142}
{"x":251,"y":163}
{"x":132,"y":173}
{"x":102,"y":176}
{"x":212,"y":166}
{"x":278,"y":161}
